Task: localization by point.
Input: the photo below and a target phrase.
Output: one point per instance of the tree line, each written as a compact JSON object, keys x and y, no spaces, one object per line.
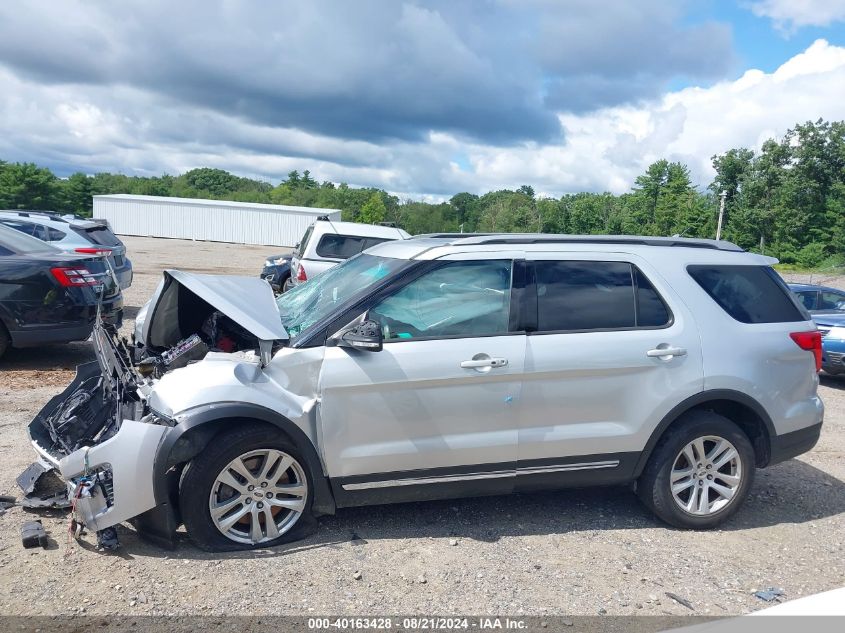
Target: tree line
{"x":786,"y":200}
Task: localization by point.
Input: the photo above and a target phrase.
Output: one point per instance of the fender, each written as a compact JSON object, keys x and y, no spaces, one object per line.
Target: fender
{"x":204,"y":422}
{"x":693,"y":401}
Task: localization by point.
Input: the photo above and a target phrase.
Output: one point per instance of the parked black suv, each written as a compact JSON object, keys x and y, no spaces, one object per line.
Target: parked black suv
{"x":48,"y":296}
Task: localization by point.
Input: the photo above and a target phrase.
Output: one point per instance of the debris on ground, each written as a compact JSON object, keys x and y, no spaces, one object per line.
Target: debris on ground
{"x":772,"y":593}
{"x":33,"y":535}
{"x":680,"y":600}
{"x":107,"y":539}
{"x":42,"y":487}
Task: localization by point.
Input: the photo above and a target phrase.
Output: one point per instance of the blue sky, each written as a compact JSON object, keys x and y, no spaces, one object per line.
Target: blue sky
{"x":423,"y":98}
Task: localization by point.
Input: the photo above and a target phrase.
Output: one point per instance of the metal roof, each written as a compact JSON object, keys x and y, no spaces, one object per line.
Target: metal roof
{"x":281,"y":208}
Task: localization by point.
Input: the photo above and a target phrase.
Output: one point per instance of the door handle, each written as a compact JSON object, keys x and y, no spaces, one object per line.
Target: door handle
{"x":666,"y":352}
{"x":481,"y":363}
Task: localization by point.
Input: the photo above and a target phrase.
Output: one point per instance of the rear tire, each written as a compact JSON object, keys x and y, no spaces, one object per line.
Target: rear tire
{"x":249,"y":488}
{"x":5,"y":340}
{"x":700,"y":472}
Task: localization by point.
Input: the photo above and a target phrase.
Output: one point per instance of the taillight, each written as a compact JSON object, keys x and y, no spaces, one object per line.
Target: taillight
{"x":810,"y":341}
{"x":70,"y":277}
{"x":300,"y":274}
{"x":103,"y":252}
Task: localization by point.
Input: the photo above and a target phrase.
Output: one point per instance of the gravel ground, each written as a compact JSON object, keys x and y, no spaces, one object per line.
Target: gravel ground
{"x":575,"y":552}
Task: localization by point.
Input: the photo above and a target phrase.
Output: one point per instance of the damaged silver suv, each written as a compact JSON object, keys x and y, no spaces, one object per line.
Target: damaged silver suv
{"x":442,"y":366}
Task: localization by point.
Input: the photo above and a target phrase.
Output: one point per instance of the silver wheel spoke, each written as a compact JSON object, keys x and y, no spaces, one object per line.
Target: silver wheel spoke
{"x":229,"y":479}
{"x":221,"y":509}
{"x":230,"y":520}
{"x":724,"y":459}
{"x":291,"y":504}
{"x":270,"y":523}
{"x":255,"y":531}
{"x":270,"y":462}
{"x":239,"y":467}
{"x":693,"y":500}
{"x":682,"y":486}
{"x":687,"y":452}
{"x":703,"y":499}
{"x":730,"y":480}
{"x":294,"y":490}
{"x":680,"y":474}
{"x":698,"y":448}
{"x":723,"y":491}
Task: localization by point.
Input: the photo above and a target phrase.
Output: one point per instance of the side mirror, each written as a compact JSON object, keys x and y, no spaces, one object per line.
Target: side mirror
{"x":366,"y":336}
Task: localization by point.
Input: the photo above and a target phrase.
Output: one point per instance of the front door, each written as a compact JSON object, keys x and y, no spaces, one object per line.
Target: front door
{"x":435,"y":412}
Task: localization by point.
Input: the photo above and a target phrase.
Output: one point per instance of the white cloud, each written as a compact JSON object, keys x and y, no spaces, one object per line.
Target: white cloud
{"x":129,"y":129}
{"x":789,"y":15}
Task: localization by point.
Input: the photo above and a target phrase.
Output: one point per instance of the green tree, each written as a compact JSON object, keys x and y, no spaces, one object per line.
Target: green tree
{"x":27,"y":186}
{"x":373,"y":210}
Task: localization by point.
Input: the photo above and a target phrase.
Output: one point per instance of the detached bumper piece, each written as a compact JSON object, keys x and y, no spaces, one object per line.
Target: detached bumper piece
{"x":42,"y":487}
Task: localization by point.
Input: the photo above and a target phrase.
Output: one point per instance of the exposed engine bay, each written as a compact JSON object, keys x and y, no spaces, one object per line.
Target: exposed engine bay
{"x":188,"y":317}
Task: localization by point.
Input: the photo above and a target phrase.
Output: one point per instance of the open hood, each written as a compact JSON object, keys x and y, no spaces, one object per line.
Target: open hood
{"x":183,"y":297}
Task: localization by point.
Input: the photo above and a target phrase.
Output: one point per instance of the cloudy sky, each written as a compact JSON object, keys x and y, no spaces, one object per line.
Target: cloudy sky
{"x":424,"y":99}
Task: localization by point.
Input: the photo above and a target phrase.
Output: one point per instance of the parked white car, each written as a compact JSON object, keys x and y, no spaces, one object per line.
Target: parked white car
{"x":327,"y":243}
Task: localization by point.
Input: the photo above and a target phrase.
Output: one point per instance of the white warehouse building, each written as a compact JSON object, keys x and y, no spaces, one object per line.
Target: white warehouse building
{"x":209,"y":220}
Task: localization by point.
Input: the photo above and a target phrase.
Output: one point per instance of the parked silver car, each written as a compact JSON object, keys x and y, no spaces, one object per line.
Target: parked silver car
{"x":442,"y":366}
{"x":73,"y":234}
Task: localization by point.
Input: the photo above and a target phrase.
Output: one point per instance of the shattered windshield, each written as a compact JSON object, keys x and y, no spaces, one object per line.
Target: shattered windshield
{"x":305,"y":304}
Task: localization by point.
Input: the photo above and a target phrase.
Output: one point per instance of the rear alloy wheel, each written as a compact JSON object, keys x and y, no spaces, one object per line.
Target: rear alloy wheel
{"x":286,"y":284}
{"x":248,"y":488}
{"x":700,"y":472}
{"x":706,"y":475}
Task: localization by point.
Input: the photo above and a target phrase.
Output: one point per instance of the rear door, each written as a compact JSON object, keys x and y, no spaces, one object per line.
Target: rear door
{"x":613,"y":348}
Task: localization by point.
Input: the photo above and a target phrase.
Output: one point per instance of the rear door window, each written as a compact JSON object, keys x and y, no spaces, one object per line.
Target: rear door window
{"x":750,"y":294}
{"x":808,"y":299}
{"x":831,"y":301}
{"x":27,"y":228}
{"x":577,"y":296}
{"x":335,"y":246}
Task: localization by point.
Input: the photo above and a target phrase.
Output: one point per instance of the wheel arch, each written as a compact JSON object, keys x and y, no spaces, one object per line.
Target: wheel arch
{"x":738,"y":407}
{"x":199,"y":426}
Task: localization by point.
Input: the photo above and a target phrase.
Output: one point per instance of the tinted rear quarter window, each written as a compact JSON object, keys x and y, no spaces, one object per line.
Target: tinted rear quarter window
{"x":99,"y":235}
{"x":750,"y":294}
{"x":589,"y":295}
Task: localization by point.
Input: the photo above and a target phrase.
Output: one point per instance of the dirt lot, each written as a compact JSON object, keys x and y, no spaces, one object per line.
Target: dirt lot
{"x":570,"y":552}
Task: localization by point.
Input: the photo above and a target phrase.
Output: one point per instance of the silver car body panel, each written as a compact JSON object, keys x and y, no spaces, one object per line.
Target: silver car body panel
{"x":129,"y":455}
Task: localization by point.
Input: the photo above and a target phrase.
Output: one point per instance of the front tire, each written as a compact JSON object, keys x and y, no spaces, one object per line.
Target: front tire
{"x":249,"y":488}
{"x":700,"y":472}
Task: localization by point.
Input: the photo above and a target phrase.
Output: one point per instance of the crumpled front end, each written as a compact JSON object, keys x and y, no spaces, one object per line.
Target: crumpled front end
{"x":98,"y":437}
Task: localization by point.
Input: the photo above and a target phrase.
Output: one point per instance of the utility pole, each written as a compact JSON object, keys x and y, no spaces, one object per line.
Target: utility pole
{"x":722,"y":195}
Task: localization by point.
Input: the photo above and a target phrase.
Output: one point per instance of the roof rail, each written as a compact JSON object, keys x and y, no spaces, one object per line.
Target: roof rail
{"x":28,"y":213}
{"x":544,"y":238}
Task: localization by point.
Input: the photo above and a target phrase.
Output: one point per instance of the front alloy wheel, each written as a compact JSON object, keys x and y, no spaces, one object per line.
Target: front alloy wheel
{"x":249,"y":487}
{"x":258,"y":496}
